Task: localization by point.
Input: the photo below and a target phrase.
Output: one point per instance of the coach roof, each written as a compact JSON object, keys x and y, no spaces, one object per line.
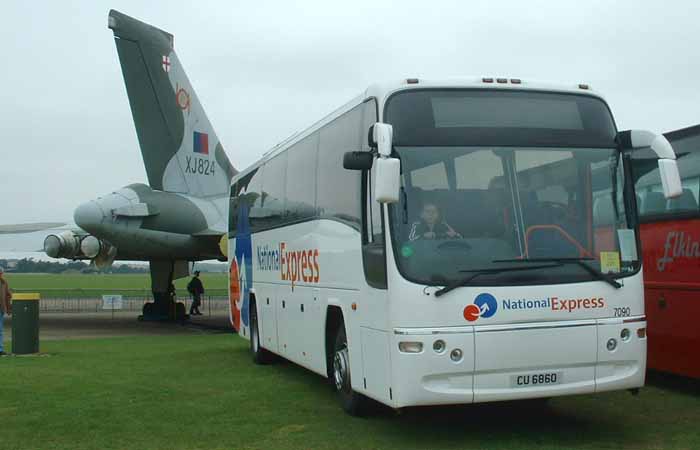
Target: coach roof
{"x":381,"y":91}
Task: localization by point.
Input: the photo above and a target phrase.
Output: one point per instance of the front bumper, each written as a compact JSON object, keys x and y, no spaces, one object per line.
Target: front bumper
{"x":493,"y":357}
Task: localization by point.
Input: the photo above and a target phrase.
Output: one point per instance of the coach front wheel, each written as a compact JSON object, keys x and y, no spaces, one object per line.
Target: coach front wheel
{"x":353,"y":403}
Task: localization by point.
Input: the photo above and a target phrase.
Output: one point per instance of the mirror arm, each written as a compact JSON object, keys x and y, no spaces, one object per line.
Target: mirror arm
{"x":663,"y":148}
{"x":633,"y":139}
{"x":666,"y":157}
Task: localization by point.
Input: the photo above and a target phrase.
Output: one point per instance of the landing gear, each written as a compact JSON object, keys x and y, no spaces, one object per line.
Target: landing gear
{"x":165,"y":307}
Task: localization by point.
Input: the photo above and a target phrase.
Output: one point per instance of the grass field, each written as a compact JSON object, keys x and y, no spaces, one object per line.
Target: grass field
{"x":91,"y":285}
{"x":202,"y":392}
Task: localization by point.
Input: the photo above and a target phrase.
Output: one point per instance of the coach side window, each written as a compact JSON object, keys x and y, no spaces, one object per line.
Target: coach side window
{"x":243,"y":191}
{"x":250,"y":192}
{"x":273,"y":195}
{"x":233,"y":210}
{"x":301,"y":179}
{"x":338,"y":191}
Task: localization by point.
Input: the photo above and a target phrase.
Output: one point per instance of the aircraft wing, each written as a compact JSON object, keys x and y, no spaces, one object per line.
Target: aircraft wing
{"x":29,"y":237}
{"x":23,"y":228}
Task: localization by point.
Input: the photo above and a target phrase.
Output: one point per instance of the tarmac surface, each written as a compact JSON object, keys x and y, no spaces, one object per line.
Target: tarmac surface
{"x":89,"y":325}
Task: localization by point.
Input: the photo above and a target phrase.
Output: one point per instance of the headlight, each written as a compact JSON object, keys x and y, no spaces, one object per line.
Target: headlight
{"x":411,"y":347}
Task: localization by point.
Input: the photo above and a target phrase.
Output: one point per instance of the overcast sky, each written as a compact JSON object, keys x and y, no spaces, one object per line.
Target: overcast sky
{"x":264,"y":70}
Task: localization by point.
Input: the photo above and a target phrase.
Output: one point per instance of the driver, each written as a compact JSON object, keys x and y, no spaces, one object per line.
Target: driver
{"x":430,"y":225}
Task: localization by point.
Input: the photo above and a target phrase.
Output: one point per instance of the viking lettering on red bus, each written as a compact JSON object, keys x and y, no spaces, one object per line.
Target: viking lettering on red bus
{"x":299,"y":265}
{"x":679,"y":244}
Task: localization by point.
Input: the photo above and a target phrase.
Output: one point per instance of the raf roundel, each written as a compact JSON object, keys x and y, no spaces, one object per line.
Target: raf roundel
{"x":182,"y":97}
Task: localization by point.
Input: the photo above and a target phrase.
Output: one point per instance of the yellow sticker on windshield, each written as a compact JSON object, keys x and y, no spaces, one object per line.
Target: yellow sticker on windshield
{"x":609,"y":262}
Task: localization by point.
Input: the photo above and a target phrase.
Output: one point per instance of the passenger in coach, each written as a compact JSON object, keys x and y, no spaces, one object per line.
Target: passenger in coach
{"x":431,"y":225}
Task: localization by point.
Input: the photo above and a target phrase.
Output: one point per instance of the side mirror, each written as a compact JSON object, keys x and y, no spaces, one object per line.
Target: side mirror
{"x":668,"y":167}
{"x":387,"y":180}
{"x":358,"y":160}
{"x":380,"y":137}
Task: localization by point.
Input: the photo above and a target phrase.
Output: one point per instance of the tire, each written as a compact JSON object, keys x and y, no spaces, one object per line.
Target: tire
{"x":259,"y":354}
{"x":352,"y":402}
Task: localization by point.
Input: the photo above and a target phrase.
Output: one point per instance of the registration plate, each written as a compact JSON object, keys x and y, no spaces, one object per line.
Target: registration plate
{"x":535,"y":379}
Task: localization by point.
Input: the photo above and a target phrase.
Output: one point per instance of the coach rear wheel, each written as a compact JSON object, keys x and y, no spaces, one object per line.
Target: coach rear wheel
{"x":353,"y":403}
{"x":260,"y":355}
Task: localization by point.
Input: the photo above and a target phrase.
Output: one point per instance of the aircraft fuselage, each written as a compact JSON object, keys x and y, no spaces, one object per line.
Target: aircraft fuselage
{"x":145,"y":224}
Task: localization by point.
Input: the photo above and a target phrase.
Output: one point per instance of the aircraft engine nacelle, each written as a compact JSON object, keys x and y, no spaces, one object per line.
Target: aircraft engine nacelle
{"x":70,"y":245}
{"x":101,"y":252}
{"x":90,"y":246}
{"x":62,"y":245}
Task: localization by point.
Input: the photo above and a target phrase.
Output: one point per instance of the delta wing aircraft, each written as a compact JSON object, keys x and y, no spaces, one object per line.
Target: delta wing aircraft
{"x":181,"y":215}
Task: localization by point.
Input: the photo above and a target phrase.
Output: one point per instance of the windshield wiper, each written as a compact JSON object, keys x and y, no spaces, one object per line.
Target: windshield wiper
{"x":580,"y":261}
{"x":477,"y":272}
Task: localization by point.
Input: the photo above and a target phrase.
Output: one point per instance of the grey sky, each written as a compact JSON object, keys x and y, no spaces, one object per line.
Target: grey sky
{"x":266,"y":69}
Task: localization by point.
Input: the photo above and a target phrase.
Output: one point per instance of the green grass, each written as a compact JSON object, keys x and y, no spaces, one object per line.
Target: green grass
{"x":91,"y":285}
{"x":202,"y":392}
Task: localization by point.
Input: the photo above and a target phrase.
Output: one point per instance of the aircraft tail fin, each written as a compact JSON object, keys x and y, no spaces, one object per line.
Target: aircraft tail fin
{"x":180,"y":149}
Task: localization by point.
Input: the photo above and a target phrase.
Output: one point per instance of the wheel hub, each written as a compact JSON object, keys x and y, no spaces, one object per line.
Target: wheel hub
{"x":340,"y":369}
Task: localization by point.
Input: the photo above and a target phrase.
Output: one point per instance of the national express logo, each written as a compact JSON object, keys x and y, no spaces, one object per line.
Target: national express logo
{"x":485,"y":305}
{"x":293,"y":265}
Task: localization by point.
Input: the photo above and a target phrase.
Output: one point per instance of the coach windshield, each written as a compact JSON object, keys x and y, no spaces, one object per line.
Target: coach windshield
{"x":481,"y":208}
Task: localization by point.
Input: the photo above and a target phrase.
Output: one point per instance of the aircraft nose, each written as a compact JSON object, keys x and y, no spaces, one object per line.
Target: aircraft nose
{"x":88,"y":216}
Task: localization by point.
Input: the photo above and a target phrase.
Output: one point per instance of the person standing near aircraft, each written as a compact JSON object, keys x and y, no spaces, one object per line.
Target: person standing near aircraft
{"x":5,"y":308}
{"x":196,"y":288}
